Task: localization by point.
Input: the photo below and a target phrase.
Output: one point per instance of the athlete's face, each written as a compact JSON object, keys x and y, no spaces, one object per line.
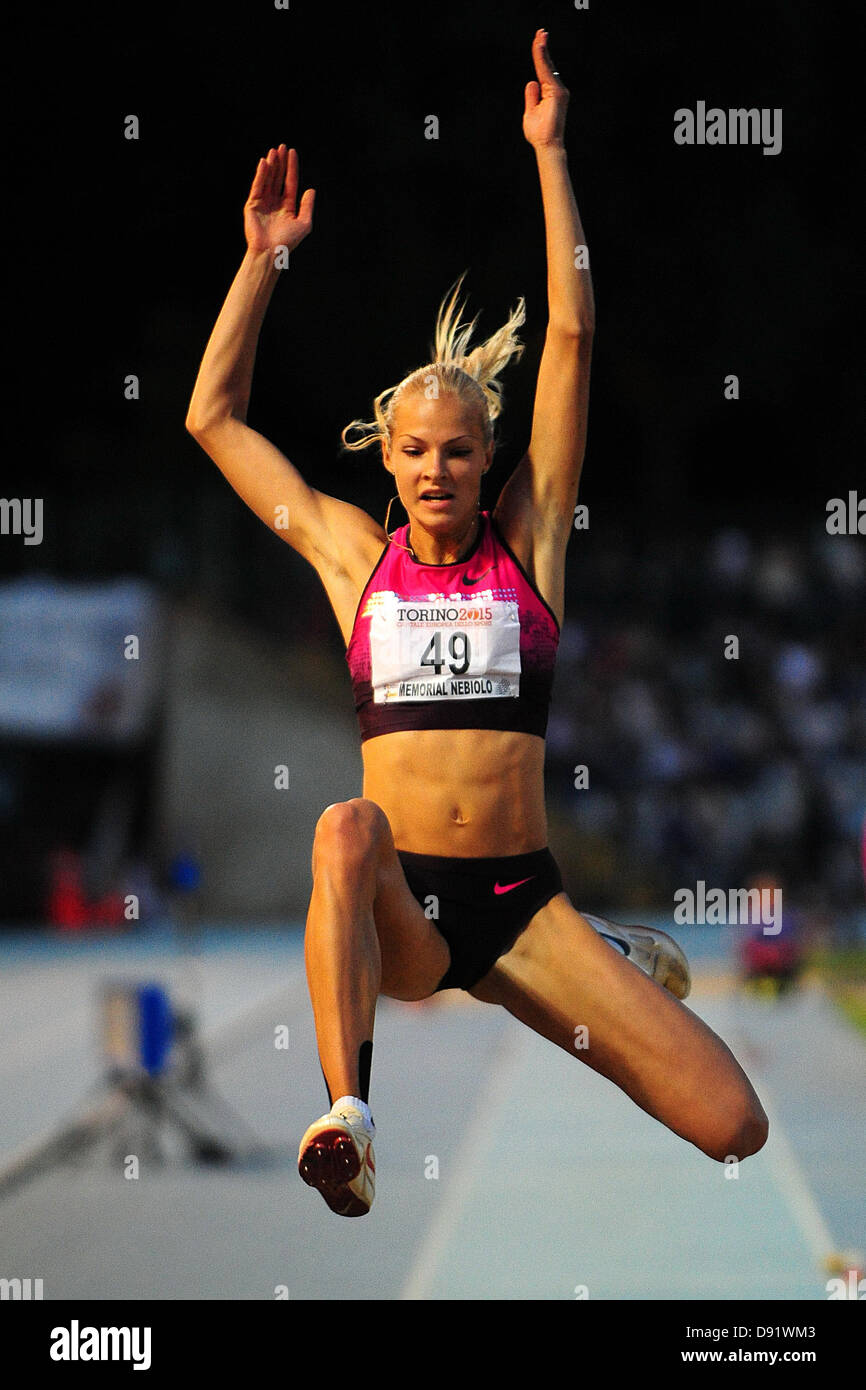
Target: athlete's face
{"x":437,"y":456}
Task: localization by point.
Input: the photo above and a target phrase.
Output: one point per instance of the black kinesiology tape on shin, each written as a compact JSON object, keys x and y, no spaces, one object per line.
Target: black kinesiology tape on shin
{"x":365,"y":1062}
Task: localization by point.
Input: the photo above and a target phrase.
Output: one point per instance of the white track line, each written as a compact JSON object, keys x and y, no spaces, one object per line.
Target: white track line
{"x":505,"y":1069}
{"x":784,"y":1168}
{"x":794,"y":1186}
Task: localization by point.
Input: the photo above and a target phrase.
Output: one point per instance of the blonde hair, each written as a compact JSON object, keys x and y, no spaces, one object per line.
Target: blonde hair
{"x":471,"y":376}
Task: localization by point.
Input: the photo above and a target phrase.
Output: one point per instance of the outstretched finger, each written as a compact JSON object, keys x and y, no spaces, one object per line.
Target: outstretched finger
{"x":289,"y":191}
{"x":260,"y":181}
{"x":544,"y":64}
{"x":274,"y":177}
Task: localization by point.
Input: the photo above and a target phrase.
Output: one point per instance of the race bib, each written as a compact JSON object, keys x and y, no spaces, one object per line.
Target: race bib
{"x":438,"y":649}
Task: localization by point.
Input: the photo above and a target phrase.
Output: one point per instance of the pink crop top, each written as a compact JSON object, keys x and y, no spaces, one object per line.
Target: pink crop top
{"x":468,"y":645}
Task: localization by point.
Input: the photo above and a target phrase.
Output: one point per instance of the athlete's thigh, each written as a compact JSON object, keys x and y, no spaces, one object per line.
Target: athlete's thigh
{"x":414,"y":953}
{"x":569,"y":985}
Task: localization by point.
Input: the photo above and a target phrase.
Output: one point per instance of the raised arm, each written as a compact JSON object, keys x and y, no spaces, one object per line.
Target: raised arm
{"x":337,"y":538}
{"x":537,"y":503}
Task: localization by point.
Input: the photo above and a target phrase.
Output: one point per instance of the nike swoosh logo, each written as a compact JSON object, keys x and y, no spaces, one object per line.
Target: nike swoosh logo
{"x":469,"y":582}
{"x":623,"y":947}
{"x":507,"y":887}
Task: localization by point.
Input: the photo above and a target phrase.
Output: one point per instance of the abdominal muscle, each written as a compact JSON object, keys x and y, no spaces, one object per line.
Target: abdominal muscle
{"x":463,"y":793}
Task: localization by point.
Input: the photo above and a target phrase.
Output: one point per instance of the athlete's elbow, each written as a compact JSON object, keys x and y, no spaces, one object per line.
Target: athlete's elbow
{"x":208,"y":415}
{"x":576,"y":330}
{"x":200,"y":425}
{"x":197,"y":421}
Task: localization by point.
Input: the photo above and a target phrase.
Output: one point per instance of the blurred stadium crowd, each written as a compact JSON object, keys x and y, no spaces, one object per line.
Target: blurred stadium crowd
{"x":702,"y":766}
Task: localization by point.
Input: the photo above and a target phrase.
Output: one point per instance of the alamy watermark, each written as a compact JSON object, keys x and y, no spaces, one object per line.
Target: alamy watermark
{"x":22,"y":516}
{"x":734,"y":907}
{"x":77,"y":1343}
{"x":846,"y":516}
{"x":737,"y":126}
{"x":21,"y":1290}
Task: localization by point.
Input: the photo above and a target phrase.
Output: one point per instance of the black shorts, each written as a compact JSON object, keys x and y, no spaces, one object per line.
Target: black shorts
{"x":480,"y":905}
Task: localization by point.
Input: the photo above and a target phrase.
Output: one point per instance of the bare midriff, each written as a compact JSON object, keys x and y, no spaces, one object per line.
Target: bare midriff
{"x":463,"y":793}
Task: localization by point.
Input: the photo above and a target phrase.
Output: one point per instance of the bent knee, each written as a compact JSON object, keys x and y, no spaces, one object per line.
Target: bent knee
{"x":744,"y":1132}
{"x":348,"y":831}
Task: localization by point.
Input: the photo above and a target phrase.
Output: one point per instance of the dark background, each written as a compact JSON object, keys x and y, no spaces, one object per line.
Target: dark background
{"x":706,"y":261}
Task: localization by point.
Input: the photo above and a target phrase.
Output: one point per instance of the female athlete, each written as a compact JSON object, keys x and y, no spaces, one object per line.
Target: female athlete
{"x":439,"y":875}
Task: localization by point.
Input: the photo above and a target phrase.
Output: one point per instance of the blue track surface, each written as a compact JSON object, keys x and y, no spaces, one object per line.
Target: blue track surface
{"x":551,"y":1184}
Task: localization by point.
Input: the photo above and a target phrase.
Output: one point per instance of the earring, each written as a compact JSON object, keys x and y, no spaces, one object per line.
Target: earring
{"x":407,"y":548}
{"x":395,"y":498}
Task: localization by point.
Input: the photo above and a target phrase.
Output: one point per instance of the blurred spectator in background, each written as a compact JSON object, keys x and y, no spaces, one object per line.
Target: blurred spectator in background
{"x":776,"y":957}
{"x":701,"y":766}
{"x":670,"y":758}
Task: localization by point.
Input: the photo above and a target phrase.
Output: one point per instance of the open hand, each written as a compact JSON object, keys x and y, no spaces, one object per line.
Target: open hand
{"x":270,"y":219}
{"x":546,"y":99}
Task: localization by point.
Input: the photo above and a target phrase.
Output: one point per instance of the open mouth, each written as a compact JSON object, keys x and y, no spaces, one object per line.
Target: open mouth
{"x":436,"y":495}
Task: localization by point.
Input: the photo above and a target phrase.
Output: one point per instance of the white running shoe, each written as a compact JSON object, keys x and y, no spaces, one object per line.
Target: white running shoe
{"x":653,"y":952}
{"x":336,"y":1157}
